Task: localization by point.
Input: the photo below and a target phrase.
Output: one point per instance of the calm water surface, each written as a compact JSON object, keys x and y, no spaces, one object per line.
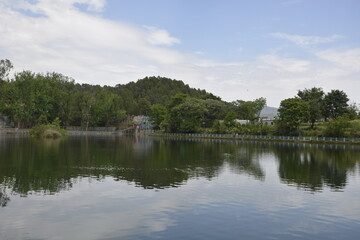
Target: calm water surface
{"x":143,"y":188}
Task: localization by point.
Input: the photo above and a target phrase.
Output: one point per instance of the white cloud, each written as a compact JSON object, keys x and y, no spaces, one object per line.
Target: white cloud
{"x":160,"y":37}
{"x":284,"y":64}
{"x":349,"y":59}
{"x":306,"y":40}
{"x":49,"y":6}
{"x":96,"y":50}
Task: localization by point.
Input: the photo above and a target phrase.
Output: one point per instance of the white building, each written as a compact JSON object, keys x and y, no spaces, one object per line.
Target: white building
{"x":268,"y":119}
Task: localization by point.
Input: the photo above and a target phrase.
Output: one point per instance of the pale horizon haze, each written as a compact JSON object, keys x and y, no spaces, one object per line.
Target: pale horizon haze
{"x":232,"y":48}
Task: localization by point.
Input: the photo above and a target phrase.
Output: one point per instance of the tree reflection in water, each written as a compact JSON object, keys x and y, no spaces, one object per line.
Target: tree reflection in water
{"x":50,"y":166}
{"x":4,"y":198}
{"x":314,"y":167}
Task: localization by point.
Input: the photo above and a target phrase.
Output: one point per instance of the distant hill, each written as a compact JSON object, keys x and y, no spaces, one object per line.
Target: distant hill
{"x":156,"y":90}
{"x":269,"y":111}
{"x":161,"y":89}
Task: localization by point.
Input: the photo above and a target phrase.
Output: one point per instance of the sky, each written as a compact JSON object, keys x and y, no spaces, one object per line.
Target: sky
{"x":235,"y":49}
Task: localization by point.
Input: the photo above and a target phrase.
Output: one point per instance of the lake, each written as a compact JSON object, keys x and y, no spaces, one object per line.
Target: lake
{"x":157,"y":188}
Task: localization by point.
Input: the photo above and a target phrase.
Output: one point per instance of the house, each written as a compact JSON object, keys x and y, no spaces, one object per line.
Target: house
{"x":142,"y":122}
{"x":268,"y":119}
{"x":242,"y":122}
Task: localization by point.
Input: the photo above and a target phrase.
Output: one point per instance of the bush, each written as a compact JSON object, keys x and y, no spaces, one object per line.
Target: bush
{"x":337,"y":128}
{"x":355,"y":129}
{"x":218,"y":127}
{"x":52,"y":130}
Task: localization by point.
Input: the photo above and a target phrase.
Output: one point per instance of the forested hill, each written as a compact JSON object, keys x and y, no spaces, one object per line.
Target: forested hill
{"x":30,"y":98}
{"x":161,"y":90}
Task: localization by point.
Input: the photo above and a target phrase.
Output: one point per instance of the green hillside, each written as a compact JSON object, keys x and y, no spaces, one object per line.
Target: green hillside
{"x":161,"y":90}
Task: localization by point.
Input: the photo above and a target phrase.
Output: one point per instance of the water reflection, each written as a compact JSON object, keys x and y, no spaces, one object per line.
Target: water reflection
{"x":313,"y":168}
{"x":50,"y":166}
{"x":4,"y":198}
{"x":246,"y":160}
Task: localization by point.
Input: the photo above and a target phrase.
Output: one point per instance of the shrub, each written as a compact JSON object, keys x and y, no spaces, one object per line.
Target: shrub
{"x":337,"y":128}
{"x":52,"y":130}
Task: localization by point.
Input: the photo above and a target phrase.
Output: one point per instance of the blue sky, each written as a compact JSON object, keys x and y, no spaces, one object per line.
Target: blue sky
{"x":234,"y":30}
{"x":234,"y":49}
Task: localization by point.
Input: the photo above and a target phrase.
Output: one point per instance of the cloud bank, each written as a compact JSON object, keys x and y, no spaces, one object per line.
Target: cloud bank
{"x":73,"y":38}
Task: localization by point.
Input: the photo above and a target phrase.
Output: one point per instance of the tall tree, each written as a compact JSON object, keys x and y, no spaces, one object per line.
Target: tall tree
{"x":292,"y":112}
{"x":214,"y":110}
{"x":187,"y":116}
{"x":352,"y":111}
{"x":143,"y":106}
{"x":86,"y":103}
{"x":314,"y":97}
{"x":229,"y":119}
{"x":157,"y":115}
{"x":250,"y":110}
{"x":259,"y":105}
{"x":335,"y":104}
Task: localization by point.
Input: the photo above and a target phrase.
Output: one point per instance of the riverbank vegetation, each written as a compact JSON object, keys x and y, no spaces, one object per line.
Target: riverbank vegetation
{"x":52,"y":130}
{"x":37,"y":99}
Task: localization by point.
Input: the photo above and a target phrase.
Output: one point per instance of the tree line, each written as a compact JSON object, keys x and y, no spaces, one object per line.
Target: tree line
{"x":29,"y":99}
{"x":186,"y":114}
{"x":312,"y":106}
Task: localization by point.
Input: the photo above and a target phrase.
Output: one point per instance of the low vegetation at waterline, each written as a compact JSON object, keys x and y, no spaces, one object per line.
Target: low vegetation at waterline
{"x":52,"y":130}
{"x":339,"y":128}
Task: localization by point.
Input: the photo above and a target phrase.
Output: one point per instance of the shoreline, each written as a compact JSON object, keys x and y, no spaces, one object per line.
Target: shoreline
{"x":321,"y":140}
{"x":237,"y":137}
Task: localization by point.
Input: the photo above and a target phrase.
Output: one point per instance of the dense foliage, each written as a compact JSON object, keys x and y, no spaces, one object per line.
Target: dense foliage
{"x":30,"y":99}
{"x":329,"y":114}
{"x":292,"y":112}
{"x":314,"y":97}
{"x":51,"y":130}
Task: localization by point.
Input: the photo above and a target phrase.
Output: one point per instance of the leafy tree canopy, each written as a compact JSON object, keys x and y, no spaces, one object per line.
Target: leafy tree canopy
{"x":315,"y":98}
{"x":335,"y":104}
{"x":250,"y":110}
{"x":292,"y":112}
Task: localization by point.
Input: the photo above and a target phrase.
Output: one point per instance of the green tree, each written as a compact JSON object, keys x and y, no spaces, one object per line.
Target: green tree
{"x":20,"y":102}
{"x":157,"y":115}
{"x":86,"y":103}
{"x":259,"y":105}
{"x":106,"y":110}
{"x":214,"y":110}
{"x":177,"y":99}
{"x":335,"y":104}
{"x":218,"y":127}
{"x":292,"y":112}
{"x":143,"y":106}
{"x":250,"y":110}
{"x":187,"y":116}
{"x":314,"y":97}
{"x":229,"y":119}
{"x":352,"y":111}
